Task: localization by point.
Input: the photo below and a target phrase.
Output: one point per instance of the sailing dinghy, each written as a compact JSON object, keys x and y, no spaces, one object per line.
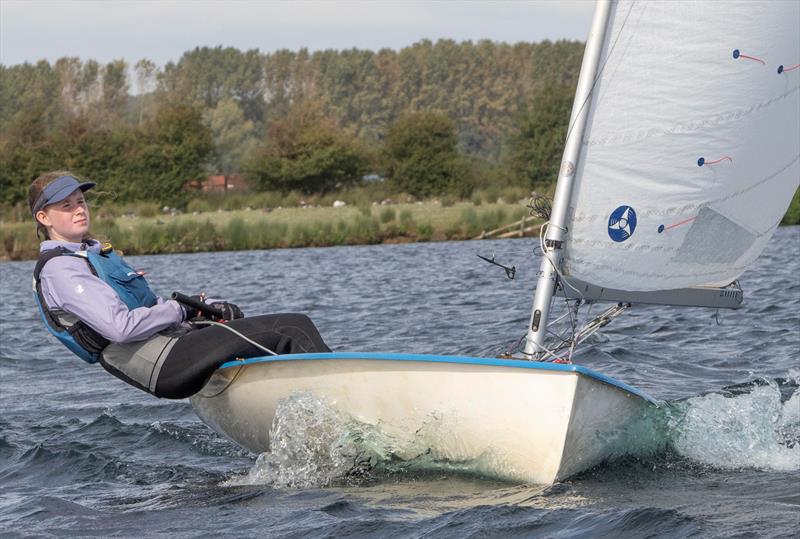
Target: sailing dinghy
{"x":681,"y":157}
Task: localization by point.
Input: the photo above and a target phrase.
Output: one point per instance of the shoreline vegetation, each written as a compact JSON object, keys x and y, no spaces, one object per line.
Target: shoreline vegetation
{"x":144,"y":228}
{"x":271,"y":220}
{"x":435,"y":141}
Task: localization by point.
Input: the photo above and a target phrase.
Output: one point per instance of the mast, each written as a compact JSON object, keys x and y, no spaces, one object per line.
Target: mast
{"x":554,"y":237}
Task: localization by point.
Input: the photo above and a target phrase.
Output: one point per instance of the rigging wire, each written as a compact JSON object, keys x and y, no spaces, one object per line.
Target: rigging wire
{"x":545,"y":251}
{"x":546,"y":210}
{"x":602,"y":67}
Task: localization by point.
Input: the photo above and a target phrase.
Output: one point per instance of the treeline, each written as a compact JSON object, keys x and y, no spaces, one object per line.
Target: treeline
{"x":432,"y":118}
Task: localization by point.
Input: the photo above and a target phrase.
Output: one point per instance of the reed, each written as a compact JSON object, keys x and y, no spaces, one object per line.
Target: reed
{"x":388,"y":215}
{"x":277,"y":228}
{"x":18,"y":241}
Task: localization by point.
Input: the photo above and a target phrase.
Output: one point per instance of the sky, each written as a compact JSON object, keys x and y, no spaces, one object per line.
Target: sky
{"x":162,"y":30}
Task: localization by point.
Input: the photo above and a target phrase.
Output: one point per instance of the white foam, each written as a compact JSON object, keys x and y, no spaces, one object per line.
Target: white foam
{"x":314,"y":445}
{"x":311,"y":446}
{"x":752,"y":430}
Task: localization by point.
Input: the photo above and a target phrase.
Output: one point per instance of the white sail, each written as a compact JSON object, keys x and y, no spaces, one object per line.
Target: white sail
{"x":691,"y":152}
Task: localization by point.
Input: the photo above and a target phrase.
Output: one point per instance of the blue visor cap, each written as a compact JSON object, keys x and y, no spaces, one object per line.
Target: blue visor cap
{"x":58,"y":190}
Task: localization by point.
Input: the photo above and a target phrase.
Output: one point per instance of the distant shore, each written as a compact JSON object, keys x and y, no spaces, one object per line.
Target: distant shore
{"x":175,"y":232}
{"x":139,"y":229}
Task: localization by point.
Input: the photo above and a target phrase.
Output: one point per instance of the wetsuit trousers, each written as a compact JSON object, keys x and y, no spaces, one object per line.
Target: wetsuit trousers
{"x":196,"y":355}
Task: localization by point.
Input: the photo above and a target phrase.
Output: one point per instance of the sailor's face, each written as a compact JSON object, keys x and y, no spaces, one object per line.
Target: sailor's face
{"x":68,"y":219}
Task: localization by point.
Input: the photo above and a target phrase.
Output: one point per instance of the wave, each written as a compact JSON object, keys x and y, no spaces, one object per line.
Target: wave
{"x":752,"y":425}
{"x":71,"y":452}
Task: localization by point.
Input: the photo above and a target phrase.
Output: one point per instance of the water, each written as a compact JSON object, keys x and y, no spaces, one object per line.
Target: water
{"x":82,"y":454}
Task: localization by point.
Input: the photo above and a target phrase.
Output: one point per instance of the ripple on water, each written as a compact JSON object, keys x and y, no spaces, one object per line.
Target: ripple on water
{"x":81,"y":453}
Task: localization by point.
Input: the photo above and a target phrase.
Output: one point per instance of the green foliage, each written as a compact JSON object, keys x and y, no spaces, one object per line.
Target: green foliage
{"x":470,"y":222}
{"x":535,"y":149}
{"x":139,"y":209}
{"x":232,"y":135}
{"x":424,"y":232}
{"x":236,"y":235}
{"x":253,"y":230}
{"x":792,"y":216}
{"x":18,"y":241}
{"x":365,"y":229}
{"x":78,"y":114}
{"x":198,"y":205}
{"x":206,"y":76}
{"x":307,"y":152}
{"x":388,"y":215}
{"x":173,"y":148}
{"x":148,"y":163}
{"x":406,"y":220}
{"x":115,"y":88}
{"x":481,"y":85}
{"x":421,"y":155}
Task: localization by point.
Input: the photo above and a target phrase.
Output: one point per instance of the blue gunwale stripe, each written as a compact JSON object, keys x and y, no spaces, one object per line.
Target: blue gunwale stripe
{"x":514,"y":363}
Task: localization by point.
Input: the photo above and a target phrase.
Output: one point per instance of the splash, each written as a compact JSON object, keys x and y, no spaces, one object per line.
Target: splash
{"x":314,"y":445}
{"x":752,"y":427}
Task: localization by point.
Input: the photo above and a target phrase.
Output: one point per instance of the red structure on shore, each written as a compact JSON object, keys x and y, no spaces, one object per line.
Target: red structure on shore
{"x":216,"y":183}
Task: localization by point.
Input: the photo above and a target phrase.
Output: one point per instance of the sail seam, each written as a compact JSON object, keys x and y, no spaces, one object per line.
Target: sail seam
{"x":602,"y":68}
{"x":631,"y":137}
{"x":693,"y":207}
{"x":647,"y":248}
{"x":728,"y":269}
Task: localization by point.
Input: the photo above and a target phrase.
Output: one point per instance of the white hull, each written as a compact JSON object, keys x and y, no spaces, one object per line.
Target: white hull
{"x":532,"y":422}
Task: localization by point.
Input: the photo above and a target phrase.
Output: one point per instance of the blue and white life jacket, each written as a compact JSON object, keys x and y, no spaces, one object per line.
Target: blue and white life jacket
{"x":130,"y":286}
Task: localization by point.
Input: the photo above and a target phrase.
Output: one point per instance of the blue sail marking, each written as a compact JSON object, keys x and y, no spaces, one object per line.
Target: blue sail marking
{"x":621,"y":223}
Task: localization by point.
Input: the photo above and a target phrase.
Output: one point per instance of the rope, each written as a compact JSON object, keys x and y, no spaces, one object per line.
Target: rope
{"x":662,"y":228}
{"x":541,"y":206}
{"x":702,"y":161}
{"x":251,"y":341}
{"x":589,"y":328}
{"x":737,"y":54}
{"x":544,"y":249}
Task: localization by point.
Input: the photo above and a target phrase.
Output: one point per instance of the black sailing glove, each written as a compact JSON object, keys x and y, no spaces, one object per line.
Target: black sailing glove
{"x":230,"y":311}
{"x":191,"y":312}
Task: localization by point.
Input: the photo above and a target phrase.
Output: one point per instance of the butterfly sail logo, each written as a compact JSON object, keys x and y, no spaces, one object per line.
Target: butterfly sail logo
{"x":621,"y":223}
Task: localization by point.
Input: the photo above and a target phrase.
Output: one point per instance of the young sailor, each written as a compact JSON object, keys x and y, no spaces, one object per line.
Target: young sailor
{"x":104,"y":311}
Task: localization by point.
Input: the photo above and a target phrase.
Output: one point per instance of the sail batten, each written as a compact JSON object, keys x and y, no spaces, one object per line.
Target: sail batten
{"x":691,"y":151}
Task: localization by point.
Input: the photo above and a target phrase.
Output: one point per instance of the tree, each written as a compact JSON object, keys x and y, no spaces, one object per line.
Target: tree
{"x":205,"y":76}
{"x":493,"y":92}
{"x":146,"y":72}
{"x":421,"y":156}
{"x":307,"y":151}
{"x":232,"y":135}
{"x":115,"y":89}
{"x":25,"y":152}
{"x":536,"y":147}
{"x":171,"y":149}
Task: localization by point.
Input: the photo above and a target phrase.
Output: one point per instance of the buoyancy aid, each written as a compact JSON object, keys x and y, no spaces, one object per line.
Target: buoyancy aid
{"x":79,"y":337}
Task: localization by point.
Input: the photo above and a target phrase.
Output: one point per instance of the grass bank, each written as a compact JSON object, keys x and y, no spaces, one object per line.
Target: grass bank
{"x":279,"y":228}
{"x":272,"y":220}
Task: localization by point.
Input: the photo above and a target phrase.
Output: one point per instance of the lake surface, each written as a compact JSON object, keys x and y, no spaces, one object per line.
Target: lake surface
{"x":83,"y":454}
